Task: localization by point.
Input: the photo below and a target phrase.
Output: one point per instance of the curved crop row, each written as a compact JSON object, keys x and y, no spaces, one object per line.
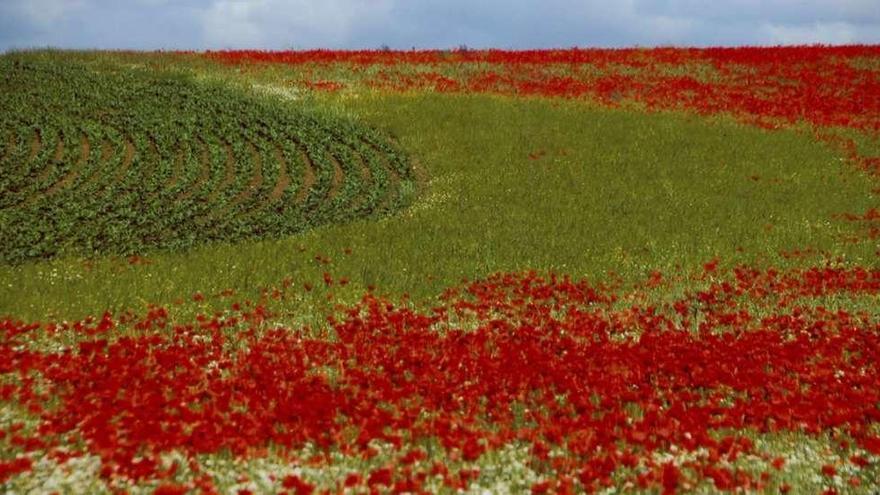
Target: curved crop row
{"x":101,"y":161}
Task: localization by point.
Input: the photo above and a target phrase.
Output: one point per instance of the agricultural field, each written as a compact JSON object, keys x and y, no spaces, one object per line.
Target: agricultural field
{"x":553,"y":271}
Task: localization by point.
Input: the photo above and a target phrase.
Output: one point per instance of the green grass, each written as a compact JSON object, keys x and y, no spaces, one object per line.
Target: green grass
{"x":614,"y":191}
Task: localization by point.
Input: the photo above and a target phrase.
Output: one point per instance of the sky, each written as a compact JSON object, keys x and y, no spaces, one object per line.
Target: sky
{"x":405,"y":24}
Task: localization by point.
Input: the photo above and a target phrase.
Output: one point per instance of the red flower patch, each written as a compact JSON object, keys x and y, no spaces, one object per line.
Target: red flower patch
{"x":545,"y":360}
{"x":823,"y":85}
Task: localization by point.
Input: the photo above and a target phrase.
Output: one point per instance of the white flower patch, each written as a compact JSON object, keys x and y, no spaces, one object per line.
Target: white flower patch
{"x":504,"y":471}
{"x":285,"y":92}
{"x":76,"y":475}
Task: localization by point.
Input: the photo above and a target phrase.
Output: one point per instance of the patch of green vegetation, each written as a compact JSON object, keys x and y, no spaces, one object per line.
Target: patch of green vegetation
{"x":513,"y":184}
{"x":100,"y":159}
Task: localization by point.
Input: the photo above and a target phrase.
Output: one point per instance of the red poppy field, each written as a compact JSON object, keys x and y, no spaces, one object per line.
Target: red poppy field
{"x":638,"y":271}
{"x":822,"y":86}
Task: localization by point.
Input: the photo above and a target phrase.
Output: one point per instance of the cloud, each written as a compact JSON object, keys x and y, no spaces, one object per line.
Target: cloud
{"x":777,"y":11}
{"x":231,"y":23}
{"x":44,"y":13}
{"x":276,"y":24}
{"x":28,"y":23}
{"x":820,"y":32}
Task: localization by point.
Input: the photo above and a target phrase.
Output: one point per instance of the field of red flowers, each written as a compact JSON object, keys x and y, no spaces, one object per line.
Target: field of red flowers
{"x":748,"y":379}
{"x":604,"y":386}
{"x":823,"y":86}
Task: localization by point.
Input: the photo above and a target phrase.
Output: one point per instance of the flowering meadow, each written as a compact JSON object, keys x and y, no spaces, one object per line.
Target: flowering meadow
{"x":822,"y":86}
{"x":463,"y":271}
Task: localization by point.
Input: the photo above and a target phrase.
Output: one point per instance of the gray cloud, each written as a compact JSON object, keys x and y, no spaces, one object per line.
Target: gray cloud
{"x":276,"y":24}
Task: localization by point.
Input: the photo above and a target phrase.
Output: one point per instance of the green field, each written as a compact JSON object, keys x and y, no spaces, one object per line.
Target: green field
{"x":131,"y":181}
{"x":506,"y":184}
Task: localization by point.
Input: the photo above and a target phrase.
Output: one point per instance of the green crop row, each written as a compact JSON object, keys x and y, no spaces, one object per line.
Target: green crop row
{"x":96,"y":160}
